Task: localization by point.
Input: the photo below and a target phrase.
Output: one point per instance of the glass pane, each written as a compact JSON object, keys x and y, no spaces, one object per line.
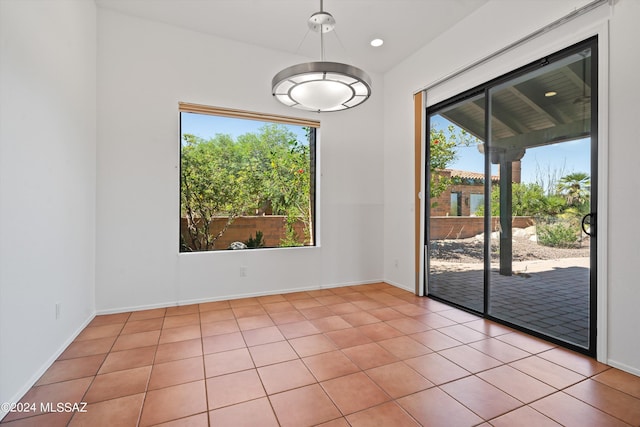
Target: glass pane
{"x":540,"y":144}
{"x":360,"y":89}
{"x":307,"y":77}
{"x":245,"y":184}
{"x":455,"y":235}
{"x":455,"y":204}
{"x":476,"y":203}
{"x":341,"y":78}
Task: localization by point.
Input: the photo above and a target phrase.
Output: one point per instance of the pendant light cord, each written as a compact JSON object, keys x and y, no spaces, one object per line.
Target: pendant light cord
{"x":321,"y":34}
{"x":321,"y":44}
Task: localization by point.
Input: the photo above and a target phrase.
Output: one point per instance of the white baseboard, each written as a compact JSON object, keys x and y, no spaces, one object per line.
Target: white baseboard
{"x":46,"y":365}
{"x":624,"y":367}
{"x":238,"y":296}
{"x":398,"y":285}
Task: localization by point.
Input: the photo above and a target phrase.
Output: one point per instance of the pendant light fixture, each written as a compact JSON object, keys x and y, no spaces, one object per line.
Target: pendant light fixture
{"x":321,"y":86}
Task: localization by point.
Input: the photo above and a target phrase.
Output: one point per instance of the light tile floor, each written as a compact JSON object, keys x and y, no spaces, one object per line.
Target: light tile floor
{"x":360,"y":356}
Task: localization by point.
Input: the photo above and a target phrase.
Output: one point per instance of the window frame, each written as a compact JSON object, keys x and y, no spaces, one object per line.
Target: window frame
{"x":314,"y":187}
{"x":598,"y":109}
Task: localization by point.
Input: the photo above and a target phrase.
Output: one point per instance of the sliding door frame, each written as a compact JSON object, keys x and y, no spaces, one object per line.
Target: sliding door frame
{"x":597,"y":280}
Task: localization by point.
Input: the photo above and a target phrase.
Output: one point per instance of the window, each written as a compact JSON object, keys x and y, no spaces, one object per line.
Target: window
{"x":456,"y":203}
{"x":477,"y":203}
{"x":247,"y":180}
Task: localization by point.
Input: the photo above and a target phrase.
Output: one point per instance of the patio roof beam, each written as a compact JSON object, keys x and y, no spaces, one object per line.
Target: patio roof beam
{"x":473,"y":127}
{"x":578,"y":81}
{"x":505,"y":118}
{"x":539,"y":138}
{"x":534,"y":105}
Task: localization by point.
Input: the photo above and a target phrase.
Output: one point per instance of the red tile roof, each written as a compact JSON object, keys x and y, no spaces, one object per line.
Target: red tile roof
{"x":470,"y":175}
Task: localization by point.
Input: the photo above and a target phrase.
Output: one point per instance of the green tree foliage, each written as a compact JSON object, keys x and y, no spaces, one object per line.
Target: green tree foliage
{"x":576,"y":189}
{"x":558,"y":215}
{"x":530,"y":199}
{"x":527,"y":199}
{"x":267,"y":172}
{"x":212,"y":185}
{"x":442,"y":151}
{"x":287,"y":185}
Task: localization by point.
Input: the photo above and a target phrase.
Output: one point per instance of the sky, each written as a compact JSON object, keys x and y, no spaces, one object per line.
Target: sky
{"x":557,"y":159}
{"x":207,"y":126}
{"x":561,"y":159}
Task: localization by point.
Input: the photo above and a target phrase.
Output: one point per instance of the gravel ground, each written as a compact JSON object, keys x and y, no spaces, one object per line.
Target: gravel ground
{"x":471,"y":250}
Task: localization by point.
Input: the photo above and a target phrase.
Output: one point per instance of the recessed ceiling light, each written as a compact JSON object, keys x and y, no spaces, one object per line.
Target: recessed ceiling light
{"x":377,"y":42}
{"x":550,"y":94}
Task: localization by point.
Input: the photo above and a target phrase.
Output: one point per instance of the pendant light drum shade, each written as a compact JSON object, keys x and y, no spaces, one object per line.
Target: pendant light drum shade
{"x":321,"y":86}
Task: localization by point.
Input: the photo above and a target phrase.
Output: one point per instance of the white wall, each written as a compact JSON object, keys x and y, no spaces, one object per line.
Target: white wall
{"x":624,"y":182}
{"x":145,"y":69}
{"x":47,"y":183}
{"x":473,"y":39}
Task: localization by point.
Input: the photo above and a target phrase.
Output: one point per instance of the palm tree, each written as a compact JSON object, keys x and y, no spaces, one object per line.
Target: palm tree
{"x":576,"y":188}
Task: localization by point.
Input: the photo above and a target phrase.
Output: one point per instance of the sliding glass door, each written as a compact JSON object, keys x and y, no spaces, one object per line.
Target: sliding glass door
{"x":456,"y":224}
{"x":518,"y":156}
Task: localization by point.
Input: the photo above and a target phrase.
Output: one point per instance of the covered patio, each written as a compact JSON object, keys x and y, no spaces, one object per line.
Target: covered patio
{"x":547,"y":296}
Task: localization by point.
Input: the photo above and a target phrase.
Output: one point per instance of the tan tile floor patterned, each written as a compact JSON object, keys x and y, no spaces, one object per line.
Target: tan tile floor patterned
{"x":354,"y":356}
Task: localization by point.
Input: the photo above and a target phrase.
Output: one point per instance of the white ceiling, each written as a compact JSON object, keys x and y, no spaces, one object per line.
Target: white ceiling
{"x":405,"y":25}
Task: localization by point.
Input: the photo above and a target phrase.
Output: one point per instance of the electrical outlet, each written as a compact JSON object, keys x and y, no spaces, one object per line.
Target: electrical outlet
{"x":395,"y":263}
{"x":243,"y":271}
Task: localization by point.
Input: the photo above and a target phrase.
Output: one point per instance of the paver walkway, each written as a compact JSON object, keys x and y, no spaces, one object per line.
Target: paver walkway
{"x":546,"y":296}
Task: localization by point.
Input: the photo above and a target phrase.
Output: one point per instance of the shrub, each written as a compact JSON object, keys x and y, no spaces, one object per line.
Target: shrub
{"x":291,"y":238}
{"x":558,"y":234}
{"x":258,"y":242}
{"x":526,"y":200}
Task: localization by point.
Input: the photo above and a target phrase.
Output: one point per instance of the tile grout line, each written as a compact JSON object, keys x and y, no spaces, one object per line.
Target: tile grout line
{"x":262,"y":304}
{"x":204,"y":369}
